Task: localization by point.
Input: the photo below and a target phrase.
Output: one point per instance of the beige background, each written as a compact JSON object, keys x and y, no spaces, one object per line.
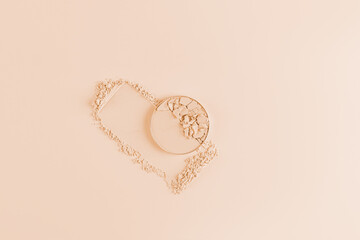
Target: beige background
{"x":279,"y":78}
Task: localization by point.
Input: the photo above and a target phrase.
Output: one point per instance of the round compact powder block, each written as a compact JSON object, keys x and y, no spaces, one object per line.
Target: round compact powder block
{"x":179,"y":125}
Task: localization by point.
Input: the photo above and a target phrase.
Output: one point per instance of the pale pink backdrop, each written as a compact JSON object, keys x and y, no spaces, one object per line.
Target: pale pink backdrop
{"x":280,"y":80}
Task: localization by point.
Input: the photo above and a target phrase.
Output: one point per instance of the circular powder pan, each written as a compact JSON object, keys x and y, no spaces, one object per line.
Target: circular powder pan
{"x":179,"y":125}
